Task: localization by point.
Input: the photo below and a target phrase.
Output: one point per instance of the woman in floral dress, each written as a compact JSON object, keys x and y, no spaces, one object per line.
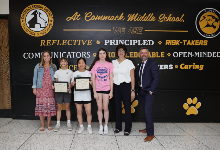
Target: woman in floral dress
{"x":42,"y":88}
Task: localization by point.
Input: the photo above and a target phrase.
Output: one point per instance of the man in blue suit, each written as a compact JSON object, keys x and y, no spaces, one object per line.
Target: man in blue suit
{"x":148,"y":78}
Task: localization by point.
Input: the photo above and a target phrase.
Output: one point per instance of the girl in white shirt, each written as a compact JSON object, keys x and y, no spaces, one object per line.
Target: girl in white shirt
{"x":123,"y":88}
{"x":64,"y":74}
{"x":82,"y":97}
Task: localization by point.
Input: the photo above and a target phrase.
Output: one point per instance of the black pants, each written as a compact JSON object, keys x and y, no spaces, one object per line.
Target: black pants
{"x":122,"y":93}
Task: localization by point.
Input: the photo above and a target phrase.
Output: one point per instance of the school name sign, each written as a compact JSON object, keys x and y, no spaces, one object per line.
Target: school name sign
{"x":89,"y":16}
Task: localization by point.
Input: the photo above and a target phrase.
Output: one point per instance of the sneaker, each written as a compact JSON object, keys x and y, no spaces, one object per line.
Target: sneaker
{"x":80,"y":130}
{"x":100,"y":129}
{"x":69,"y":127}
{"x":106,"y":130}
{"x":89,"y":129}
{"x":57,"y":127}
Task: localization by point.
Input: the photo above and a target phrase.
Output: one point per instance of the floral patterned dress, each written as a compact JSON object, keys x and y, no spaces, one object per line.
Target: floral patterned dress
{"x":45,"y":102}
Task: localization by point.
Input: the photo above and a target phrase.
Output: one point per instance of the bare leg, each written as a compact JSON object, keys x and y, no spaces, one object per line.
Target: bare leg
{"x":79,"y":113}
{"x":48,"y":123}
{"x":99,"y":111}
{"x":68,"y":113}
{"x":105,"y":107}
{"x":59,"y":108}
{"x":42,"y":118}
{"x":88,"y":112}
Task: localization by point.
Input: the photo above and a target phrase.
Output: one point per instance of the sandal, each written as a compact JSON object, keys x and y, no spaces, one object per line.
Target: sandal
{"x":49,"y":128}
{"x":117,"y":131}
{"x":41,"y":128}
{"x":126,"y":133}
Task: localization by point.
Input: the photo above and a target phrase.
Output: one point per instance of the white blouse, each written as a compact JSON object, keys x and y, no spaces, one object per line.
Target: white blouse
{"x":121,"y":72}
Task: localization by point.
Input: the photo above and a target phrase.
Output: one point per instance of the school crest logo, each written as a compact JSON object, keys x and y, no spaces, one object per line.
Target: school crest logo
{"x":36,"y":20}
{"x":208,"y":22}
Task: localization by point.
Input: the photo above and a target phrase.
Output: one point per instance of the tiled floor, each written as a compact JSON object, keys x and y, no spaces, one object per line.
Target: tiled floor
{"x":25,"y":135}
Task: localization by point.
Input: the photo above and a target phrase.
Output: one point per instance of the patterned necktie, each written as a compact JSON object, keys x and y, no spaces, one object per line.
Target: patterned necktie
{"x":140,"y":73}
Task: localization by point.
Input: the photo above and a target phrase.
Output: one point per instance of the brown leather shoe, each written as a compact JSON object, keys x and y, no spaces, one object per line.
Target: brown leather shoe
{"x":149,"y":138}
{"x":143,"y":131}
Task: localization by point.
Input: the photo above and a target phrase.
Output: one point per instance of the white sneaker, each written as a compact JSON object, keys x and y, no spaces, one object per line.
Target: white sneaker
{"x":106,"y":130}
{"x":89,"y":129}
{"x":100,"y":129}
{"x":57,"y":127}
{"x":80,"y":130}
{"x":69,"y":127}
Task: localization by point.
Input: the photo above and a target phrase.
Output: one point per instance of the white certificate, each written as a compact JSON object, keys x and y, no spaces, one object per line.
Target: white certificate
{"x":60,"y":87}
{"x":82,"y":83}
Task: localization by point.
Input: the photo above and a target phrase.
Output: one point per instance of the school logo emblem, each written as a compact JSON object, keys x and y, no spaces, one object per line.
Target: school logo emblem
{"x":208,"y":22}
{"x":36,"y":20}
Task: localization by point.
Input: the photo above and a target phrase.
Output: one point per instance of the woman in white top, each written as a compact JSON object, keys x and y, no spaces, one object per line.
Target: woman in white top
{"x":123,"y":88}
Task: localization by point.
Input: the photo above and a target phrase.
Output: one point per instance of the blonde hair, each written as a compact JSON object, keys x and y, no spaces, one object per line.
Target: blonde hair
{"x":42,"y":60}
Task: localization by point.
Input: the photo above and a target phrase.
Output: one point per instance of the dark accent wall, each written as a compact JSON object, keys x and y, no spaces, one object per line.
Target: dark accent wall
{"x":188,"y":61}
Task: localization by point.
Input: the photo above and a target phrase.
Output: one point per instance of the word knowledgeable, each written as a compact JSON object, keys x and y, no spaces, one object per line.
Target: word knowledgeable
{"x":89,"y":16}
{"x":136,"y":54}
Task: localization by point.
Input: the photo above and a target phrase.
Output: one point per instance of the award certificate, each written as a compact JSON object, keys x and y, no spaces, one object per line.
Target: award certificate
{"x":60,"y":87}
{"x":82,"y":83}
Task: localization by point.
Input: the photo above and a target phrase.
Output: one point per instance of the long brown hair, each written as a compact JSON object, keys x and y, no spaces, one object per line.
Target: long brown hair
{"x":97,"y":57}
{"x":42,"y":60}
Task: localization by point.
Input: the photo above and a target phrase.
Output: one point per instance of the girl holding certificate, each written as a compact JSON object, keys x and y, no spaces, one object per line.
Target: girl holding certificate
{"x":63,"y":74}
{"x":42,"y":88}
{"x":82,"y":97}
{"x":102,"y":80}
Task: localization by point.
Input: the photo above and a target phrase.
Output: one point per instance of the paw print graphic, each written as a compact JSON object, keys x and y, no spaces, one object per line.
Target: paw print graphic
{"x":134,"y":103}
{"x":192,"y":110}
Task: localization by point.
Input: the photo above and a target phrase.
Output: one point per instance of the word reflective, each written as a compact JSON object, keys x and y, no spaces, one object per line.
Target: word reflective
{"x":65,"y":42}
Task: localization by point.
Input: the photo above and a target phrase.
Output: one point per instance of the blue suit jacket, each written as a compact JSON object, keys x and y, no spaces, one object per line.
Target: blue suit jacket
{"x":150,"y":76}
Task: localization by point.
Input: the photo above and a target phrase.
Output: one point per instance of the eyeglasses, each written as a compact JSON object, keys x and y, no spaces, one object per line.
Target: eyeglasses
{"x":121,"y":51}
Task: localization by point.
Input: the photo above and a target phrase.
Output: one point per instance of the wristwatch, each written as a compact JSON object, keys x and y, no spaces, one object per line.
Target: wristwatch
{"x":132,"y":90}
